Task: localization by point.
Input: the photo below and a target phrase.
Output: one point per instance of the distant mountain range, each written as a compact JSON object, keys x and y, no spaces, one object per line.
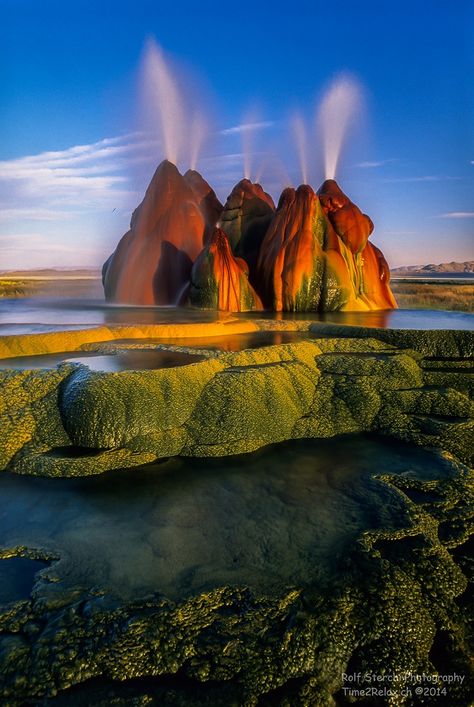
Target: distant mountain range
{"x":449,"y":268}
{"x":88,"y":272}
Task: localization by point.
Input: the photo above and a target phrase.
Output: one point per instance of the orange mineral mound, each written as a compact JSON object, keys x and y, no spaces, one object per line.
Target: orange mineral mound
{"x":291,"y":260}
{"x":316,"y":257}
{"x":152,"y":262}
{"x":219,"y":280}
{"x":348,"y":221}
{"x":209,"y":204}
{"x":371,"y":270}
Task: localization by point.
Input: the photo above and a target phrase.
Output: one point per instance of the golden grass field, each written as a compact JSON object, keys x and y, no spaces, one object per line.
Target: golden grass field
{"x":67,"y":286}
{"x":434,"y":295}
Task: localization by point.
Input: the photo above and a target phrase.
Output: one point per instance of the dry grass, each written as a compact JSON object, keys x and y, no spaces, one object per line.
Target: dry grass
{"x":442,"y":295}
{"x":16,"y":288}
{"x":81,"y":287}
{"x":409,"y":295}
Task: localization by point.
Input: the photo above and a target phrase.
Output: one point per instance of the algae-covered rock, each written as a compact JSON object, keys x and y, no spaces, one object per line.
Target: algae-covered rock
{"x":232,"y":403}
{"x":400,"y":608}
{"x":105,"y":410}
{"x":220,"y":281}
{"x":273,"y":395}
{"x":29,"y":414}
{"x":429,"y":342}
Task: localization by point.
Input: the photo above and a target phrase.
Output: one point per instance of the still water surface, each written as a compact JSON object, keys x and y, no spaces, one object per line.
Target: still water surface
{"x":33,"y":315}
{"x":285,"y":515}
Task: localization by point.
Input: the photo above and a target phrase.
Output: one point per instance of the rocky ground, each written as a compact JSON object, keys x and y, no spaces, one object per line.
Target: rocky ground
{"x":401,"y":602}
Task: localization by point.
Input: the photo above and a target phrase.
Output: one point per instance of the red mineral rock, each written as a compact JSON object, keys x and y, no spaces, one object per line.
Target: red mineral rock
{"x":348,"y":221}
{"x":152,"y":262}
{"x":219,"y":280}
{"x":311,"y":254}
{"x":316,"y":257}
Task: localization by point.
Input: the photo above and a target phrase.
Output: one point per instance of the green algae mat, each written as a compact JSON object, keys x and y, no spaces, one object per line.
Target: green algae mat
{"x":154,"y":566}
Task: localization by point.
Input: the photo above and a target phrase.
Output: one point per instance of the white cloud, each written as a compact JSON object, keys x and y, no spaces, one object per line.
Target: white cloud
{"x":55,"y":185}
{"x":425,"y":178}
{"x":374,"y":164}
{"x":247,"y":127}
{"x":34,"y":214}
{"x":458,"y":214}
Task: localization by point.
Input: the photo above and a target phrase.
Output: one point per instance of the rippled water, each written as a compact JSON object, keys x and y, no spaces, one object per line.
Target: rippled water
{"x":281,"y":516}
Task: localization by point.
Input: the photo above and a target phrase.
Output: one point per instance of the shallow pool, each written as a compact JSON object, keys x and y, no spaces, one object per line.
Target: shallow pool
{"x":36,"y":315}
{"x":282,"y":516}
{"x":131,"y":360}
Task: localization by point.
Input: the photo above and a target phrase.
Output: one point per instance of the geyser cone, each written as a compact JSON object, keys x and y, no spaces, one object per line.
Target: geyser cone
{"x":219,"y":280}
{"x":292,"y":261}
{"x":316,"y":255}
{"x":370,"y":270}
{"x":153,"y":261}
{"x":245,"y":219}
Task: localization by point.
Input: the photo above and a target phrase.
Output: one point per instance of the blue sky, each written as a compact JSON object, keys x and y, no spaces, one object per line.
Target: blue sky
{"x":75,"y":158}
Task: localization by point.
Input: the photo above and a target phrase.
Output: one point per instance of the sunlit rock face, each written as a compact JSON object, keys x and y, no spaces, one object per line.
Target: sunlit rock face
{"x":152,"y":262}
{"x":219,"y":280}
{"x":316,"y":257}
{"x":209,"y":204}
{"x":246,"y":216}
{"x":348,"y":221}
{"x":369,"y":267}
{"x":310,"y":254}
{"x":291,"y":261}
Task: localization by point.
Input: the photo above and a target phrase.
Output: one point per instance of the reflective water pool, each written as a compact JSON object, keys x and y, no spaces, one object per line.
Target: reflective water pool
{"x":281,"y":516}
{"x":34,"y":315}
{"x":133,"y":360}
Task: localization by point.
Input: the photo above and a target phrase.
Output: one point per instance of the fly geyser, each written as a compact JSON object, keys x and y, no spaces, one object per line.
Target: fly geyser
{"x":311,"y":253}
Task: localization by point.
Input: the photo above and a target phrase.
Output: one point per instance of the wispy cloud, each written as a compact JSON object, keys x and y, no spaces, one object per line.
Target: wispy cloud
{"x":457,"y":214}
{"x":55,"y":185}
{"x":424,"y":178}
{"x":67,"y":198}
{"x":375,"y":163}
{"x":247,"y":127}
{"x":34,"y":214}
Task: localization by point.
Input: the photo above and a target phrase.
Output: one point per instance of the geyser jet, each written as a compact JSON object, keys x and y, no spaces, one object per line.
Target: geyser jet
{"x":163,"y":101}
{"x":166,"y":108}
{"x":338,"y":110}
{"x":299,"y":131}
